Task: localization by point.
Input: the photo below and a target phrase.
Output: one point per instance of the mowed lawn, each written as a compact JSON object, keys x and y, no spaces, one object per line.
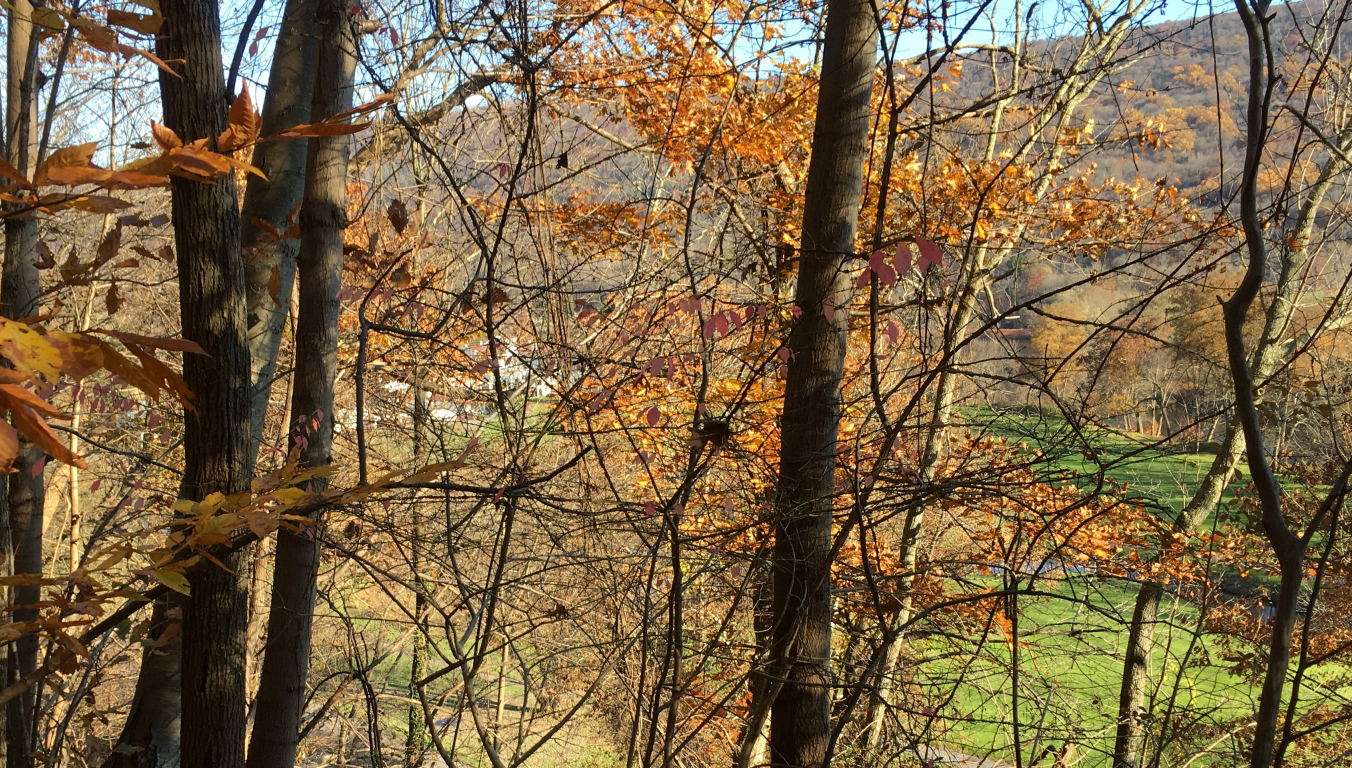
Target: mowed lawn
{"x":1071,"y":646}
{"x":1070,"y":666}
{"x":1162,"y":476}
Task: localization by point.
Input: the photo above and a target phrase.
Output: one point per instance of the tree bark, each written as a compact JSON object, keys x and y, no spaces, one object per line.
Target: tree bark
{"x":800,"y":724}
{"x":1288,"y":548}
{"x":151,"y":736}
{"x":152,"y":731}
{"x":18,"y":299}
{"x":323,"y":216}
{"x":1265,"y":361}
{"x":218,"y":447}
{"x":272,"y":200}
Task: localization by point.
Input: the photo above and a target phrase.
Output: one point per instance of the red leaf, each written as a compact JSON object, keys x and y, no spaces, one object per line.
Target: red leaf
{"x":829,"y":310}
{"x":652,"y":415}
{"x":902,"y":259}
{"x":877,"y":265}
{"x":721,"y":324}
{"x":709,"y":329}
{"x":930,"y":255}
{"x":38,"y":466}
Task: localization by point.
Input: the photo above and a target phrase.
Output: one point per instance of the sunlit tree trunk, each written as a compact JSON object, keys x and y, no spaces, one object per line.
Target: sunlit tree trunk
{"x":270,"y":266}
{"x":323,"y":217}
{"x":416,"y":740}
{"x":1266,"y":359}
{"x":800,"y":724}
{"x":218,"y":449}
{"x":152,"y":730}
{"x":1288,"y":548}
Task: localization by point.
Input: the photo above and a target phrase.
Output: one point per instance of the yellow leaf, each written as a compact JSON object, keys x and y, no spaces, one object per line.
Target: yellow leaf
{"x":289,"y":495}
{"x":28,"y":350}
{"x":49,"y":19}
{"x":107,"y":558}
{"x":217,"y":529}
{"x":9,"y":447}
{"x":211,"y":503}
{"x":172,"y":579}
{"x":431,"y":471}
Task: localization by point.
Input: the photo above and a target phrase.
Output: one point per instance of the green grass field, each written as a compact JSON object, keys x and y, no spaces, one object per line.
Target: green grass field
{"x":1070,"y":664}
{"x":1162,"y":476}
{"x":1071,"y":650}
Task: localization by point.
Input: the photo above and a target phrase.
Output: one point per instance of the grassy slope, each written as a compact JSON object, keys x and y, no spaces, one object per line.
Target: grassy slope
{"x":1071,"y":662}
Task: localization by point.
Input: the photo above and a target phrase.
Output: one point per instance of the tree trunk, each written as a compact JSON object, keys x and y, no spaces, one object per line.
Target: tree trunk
{"x":272,"y":200}
{"x":1288,"y":548}
{"x":754,"y":750}
{"x":1265,"y":361}
{"x":150,"y":738}
{"x":152,"y":730}
{"x":258,"y":616}
{"x":416,"y":740}
{"x":218,"y":448}
{"x":18,"y":299}
{"x":1130,"y":744}
{"x":323,"y":216}
{"x":800,"y":724}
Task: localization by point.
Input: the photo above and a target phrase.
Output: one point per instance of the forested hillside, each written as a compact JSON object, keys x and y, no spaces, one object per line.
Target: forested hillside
{"x":675,"y":384}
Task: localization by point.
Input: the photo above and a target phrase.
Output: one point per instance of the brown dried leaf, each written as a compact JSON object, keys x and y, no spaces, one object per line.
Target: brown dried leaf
{"x":146,"y":25}
{"x":12,"y":173}
{"x":9,"y":447}
{"x":322,"y":129}
{"x":72,"y":175}
{"x":134,"y":180}
{"x":112,"y":242}
{"x":244,"y":123}
{"x":112,"y":299}
{"x":99,"y":204}
{"x":275,"y":285}
{"x":154,"y":342}
{"x":36,"y":430}
{"x":398,"y":214}
{"x":165,"y":137}
{"x":78,"y":155}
